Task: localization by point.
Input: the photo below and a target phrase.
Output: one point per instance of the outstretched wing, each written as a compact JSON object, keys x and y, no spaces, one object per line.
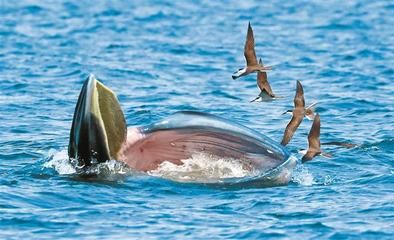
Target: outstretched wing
{"x":291,"y":128}
{"x":314,"y":134}
{"x":262,"y":82}
{"x":313,"y":140}
{"x":249,"y":52}
{"x":299,"y":101}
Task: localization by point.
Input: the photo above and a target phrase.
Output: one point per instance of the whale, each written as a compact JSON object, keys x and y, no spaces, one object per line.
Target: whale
{"x":99,"y":133}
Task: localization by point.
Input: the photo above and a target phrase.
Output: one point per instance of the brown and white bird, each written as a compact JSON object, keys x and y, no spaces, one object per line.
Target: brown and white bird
{"x":314,"y":142}
{"x":250,"y":56}
{"x":309,"y":111}
{"x":264,"y":86}
{"x":298,"y":115}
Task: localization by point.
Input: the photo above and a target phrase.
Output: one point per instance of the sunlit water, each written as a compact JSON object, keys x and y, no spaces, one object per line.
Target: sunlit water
{"x":162,"y":57}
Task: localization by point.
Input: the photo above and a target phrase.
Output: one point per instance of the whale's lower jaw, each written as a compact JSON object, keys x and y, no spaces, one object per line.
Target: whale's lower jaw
{"x":281,"y":175}
{"x":174,"y":145}
{"x":195,"y":162}
{"x":191,"y":140}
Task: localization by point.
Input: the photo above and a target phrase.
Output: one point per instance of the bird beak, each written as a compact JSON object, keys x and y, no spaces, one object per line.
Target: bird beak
{"x":98,"y":129}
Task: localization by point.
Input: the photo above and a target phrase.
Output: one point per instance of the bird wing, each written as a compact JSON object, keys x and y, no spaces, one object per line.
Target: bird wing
{"x":299,"y":100}
{"x":291,"y":128}
{"x":249,"y":52}
{"x":262,"y":82}
{"x":314,"y":135}
{"x":312,"y":106}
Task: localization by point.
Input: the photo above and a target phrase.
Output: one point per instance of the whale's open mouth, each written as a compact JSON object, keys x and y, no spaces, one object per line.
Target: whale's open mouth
{"x":98,"y":128}
{"x":193,"y":146}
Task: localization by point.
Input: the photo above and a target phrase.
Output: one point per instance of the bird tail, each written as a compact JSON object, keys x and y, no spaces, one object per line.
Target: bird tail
{"x":326,"y":155}
{"x":310,"y":111}
{"x":341,"y":144}
{"x":257,"y":98}
{"x":264,"y":68}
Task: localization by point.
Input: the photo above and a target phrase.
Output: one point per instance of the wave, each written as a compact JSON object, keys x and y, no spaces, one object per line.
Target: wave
{"x":59,"y":161}
{"x":200,"y":168}
{"x":303,"y":176}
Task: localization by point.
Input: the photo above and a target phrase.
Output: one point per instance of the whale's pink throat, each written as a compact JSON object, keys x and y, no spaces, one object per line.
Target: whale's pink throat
{"x":146,"y":151}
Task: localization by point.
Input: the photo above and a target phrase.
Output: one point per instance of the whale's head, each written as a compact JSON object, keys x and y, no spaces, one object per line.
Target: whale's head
{"x":98,"y":129}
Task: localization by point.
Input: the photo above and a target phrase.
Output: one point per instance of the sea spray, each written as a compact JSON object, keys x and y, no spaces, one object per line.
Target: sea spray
{"x":202,"y":167}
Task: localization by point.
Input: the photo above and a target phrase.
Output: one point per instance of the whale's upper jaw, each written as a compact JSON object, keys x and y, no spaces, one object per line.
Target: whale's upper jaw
{"x":98,"y":129}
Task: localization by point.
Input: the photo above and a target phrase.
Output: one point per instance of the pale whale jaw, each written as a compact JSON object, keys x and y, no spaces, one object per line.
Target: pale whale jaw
{"x":98,"y":128}
{"x":184,"y":134}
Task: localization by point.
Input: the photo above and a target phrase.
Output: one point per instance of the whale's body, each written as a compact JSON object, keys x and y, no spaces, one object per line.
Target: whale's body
{"x":98,"y":134}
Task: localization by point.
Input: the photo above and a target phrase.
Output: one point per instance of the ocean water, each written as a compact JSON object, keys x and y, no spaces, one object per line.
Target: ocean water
{"x":165,"y":56}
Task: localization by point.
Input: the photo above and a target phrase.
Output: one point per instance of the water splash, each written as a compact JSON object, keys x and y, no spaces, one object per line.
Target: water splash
{"x":303,"y":176}
{"x":328,"y":180}
{"x":200,"y":168}
{"x":204,"y":168}
{"x":59,"y":161}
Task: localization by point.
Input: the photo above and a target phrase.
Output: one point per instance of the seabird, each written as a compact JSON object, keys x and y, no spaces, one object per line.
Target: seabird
{"x":309,"y":111}
{"x":314,"y":141}
{"x":250,"y":56}
{"x":298,"y":115}
{"x":263,"y":84}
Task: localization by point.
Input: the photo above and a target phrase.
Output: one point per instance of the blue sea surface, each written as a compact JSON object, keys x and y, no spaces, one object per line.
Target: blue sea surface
{"x":161,"y":57}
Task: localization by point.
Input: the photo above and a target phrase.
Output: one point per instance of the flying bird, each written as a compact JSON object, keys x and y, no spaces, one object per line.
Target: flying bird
{"x":309,"y":111}
{"x":263,"y":84}
{"x":314,"y":141}
{"x":298,"y":115}
{"x":250,"y":56}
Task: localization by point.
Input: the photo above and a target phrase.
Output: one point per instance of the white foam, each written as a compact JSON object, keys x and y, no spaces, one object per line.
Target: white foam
{"x":302,"y":176}
{"x":328,"y":180}
{"x":202,"y":167}
{"x":59,"y":161}
{"x":109,"y":169}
